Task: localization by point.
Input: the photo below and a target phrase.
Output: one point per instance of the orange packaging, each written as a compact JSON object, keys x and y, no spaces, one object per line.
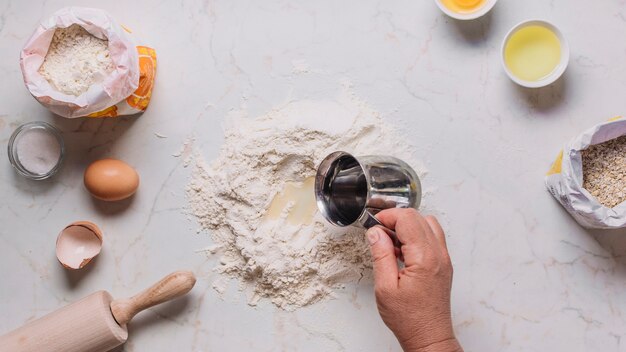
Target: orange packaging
{"x":138,"y":101}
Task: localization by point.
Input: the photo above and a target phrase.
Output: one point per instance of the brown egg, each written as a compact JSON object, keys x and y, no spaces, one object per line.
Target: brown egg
{"x":111,"y":180}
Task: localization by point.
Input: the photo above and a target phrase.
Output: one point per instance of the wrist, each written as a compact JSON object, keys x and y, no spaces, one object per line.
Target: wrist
{"x":448,"y":345}
{"x":438,"y":336}
{"x":435,"y":335}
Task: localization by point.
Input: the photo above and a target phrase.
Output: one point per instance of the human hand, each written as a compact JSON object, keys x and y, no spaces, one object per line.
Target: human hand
{"x":414,"y":301}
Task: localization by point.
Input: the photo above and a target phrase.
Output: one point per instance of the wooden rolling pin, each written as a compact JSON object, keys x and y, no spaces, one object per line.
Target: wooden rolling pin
{"x":96,"y":323}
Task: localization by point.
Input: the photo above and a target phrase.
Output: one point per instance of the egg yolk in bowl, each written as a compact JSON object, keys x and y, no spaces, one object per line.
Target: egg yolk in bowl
{"x":463,"y":6}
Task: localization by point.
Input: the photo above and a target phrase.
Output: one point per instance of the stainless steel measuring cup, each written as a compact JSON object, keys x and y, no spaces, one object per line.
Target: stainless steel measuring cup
{"x":350,"y":190}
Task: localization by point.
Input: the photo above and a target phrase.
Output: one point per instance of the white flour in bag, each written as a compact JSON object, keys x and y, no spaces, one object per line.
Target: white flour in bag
{"x":116,"y":86}
{"x":76,"y":60}
{"x":292,"y":265}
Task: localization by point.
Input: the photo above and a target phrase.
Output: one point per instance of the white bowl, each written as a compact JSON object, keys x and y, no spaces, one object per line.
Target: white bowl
{"x":469,"y":15}
{"x":558,"y":70}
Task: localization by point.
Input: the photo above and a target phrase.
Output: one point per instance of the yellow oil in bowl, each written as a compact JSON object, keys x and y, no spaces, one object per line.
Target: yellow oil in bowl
{"x":532,"y":53}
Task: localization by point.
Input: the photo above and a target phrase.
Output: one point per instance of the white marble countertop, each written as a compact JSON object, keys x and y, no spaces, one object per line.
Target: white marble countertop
{"x":527,"y":277}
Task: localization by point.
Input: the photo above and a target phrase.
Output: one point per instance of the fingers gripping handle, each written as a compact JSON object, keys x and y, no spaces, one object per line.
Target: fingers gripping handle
{"x":371,"y":221}
{"x":173,"y":285}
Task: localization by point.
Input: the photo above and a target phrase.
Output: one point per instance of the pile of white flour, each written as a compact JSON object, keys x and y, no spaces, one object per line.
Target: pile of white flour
{"x":76,"y":60}
{"x":292,"y":265}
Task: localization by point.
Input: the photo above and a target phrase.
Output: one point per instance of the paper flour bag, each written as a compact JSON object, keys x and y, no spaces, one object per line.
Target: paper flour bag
{"x":116,"y":80}
{"x":565,"y":179}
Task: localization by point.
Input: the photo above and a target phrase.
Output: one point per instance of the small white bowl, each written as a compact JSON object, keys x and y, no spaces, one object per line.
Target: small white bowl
{"x":558,"y":70}
{"x":489,"y":4}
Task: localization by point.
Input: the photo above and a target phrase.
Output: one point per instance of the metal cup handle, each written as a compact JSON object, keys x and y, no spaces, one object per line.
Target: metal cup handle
{"x":371,"y":221}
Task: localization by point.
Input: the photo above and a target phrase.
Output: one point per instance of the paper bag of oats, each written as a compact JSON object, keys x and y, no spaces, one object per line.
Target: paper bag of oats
{"x":80,"y":62}
{"x":589,"y":176}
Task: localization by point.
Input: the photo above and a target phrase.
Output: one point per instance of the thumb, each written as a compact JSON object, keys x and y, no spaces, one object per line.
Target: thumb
{"x":383,"y":258}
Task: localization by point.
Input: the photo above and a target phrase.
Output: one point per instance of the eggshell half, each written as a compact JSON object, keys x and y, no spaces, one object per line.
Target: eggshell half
{"x":111,"y":180}
{"x":78,"y":243}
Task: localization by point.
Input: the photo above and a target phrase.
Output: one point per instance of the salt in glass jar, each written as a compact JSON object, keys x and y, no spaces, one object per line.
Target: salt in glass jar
{"x":36,"y":150}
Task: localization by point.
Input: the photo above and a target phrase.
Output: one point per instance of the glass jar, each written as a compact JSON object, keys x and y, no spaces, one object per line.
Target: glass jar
{"x":36,"y":134}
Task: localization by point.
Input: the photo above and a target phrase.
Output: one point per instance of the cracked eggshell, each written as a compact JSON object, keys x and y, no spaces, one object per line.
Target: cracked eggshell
{"x":78,"y":243}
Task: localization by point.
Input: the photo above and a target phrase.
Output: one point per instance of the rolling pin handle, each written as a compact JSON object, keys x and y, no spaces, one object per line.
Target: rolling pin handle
{"x":173,"y":285}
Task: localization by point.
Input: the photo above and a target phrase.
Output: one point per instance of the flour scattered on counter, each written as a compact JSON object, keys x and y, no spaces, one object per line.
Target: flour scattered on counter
{"x":186,"y":151}
{"x":293,"y":265}
{"x":76,"y":60}
{"x":300,"y":66}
